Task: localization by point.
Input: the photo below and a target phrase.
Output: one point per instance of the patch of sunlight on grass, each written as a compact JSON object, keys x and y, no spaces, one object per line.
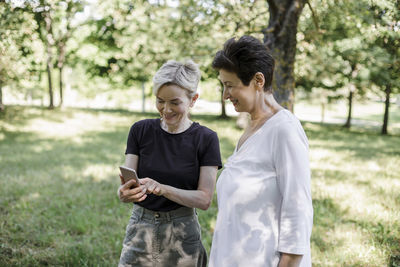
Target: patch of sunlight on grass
{"x":388,"y":185}
{"x":318,"y":154}
{"x":42,"y":147}
{"x":372,"y":166}
{"x":349,"y":245}
{"x":358,"y":201}
{"x":327,"y":159}
{"x":322,"y":158}
{"x":357,"y":248}
{"x":392,"y":168}
{"x":9,"y":126}
{"x":74,"y":125}
{"x":100,"y":172}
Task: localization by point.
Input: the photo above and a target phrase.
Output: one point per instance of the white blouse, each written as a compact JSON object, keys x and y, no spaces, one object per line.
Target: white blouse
{"x":264,"y":198}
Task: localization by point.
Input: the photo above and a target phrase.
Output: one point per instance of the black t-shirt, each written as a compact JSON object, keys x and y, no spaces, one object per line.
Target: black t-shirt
{"x":172,"y":159}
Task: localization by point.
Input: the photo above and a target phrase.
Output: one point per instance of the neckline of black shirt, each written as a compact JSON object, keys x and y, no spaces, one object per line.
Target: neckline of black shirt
{"x":168,"y":133}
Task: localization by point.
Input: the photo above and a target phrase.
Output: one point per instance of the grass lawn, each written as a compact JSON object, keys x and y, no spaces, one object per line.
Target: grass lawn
{"x":59,"y":177}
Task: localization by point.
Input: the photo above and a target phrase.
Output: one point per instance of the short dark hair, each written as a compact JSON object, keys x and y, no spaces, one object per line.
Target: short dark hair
{"x":245,"y":57}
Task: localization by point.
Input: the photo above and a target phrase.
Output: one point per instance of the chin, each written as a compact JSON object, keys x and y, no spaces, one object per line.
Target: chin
{"x":172,"y":121}
{"x":237,"y":109}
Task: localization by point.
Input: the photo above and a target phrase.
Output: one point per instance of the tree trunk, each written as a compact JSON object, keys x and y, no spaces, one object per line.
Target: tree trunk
{"x":61,"y":46}
{"x":223,"y":110}
{"x":60,"y":66}
{"x":350,"y":99}
{"x":60,"y":69}
{"x":1,"y":98}
{"x":48,"y":69}
{"x":280,"y":39}
{"x":388,"y":91}
{"x":49,"y":43}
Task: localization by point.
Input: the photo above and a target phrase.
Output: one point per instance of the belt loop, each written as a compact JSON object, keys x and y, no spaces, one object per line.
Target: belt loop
{"x":141,"y":212}
{"x":168,"y":216}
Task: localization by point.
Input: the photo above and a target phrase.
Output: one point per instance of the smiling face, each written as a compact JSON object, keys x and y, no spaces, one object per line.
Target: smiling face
{"x":173,"y":104}
{"x":242,"y":97}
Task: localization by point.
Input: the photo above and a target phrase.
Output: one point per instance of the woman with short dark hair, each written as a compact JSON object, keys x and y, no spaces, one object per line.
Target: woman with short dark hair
{"x":264,"y":198}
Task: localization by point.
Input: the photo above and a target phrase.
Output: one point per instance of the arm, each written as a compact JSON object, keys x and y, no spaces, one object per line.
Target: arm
{"x":131,"y":161}
{"x":293,"y":178}
{"x":200,"y":198}
{"x":289,"y":260}
{"x":125,"y":193}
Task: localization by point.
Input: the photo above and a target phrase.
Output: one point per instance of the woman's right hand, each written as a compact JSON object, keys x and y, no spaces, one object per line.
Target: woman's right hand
{"x":127,"y":194}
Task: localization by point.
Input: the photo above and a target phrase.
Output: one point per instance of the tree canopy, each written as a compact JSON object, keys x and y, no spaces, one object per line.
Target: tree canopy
{"x":328,"y":49}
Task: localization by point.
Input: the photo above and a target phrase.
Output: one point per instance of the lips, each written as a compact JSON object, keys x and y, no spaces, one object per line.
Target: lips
{"x":169,"y":116}
{"x":234,"y":101}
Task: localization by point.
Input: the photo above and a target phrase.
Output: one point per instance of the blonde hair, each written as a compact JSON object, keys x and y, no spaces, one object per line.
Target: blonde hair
{"x":186,"y":75}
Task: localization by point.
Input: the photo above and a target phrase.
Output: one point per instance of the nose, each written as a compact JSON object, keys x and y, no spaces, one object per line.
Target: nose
{"x":167,"y":107}
{"x":225,"y":93}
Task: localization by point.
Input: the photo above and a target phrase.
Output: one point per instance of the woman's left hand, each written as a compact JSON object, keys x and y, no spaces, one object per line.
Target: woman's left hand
{"x":153,"y":187}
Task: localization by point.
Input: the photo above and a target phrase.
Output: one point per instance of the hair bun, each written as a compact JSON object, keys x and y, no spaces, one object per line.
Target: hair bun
{"x":186,"y":75}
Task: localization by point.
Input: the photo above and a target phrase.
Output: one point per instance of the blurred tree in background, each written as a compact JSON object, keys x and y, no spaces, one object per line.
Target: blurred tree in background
{"x":333,"y":52}
{"x":18,"y":57}
{"x":280,"y":38}
{"x":327,"y":50}
{"x":349,"y":53}
{"x":44,"y":28}
{"x":384,"y":42}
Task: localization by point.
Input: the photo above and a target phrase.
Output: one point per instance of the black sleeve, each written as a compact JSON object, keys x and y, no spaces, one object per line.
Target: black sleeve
{"x":211,"y":155}
{"x":132,"y":146}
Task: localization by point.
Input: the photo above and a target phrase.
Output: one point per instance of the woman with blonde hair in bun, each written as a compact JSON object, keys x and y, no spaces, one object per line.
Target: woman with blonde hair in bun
{"x":177,"y":162}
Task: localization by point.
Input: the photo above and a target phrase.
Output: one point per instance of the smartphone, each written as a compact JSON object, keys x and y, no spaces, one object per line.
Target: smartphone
{"x":129,"y":174}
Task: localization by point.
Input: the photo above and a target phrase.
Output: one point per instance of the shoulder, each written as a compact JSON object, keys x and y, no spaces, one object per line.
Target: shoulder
{"x":286,"y":122}
{"x":145,"y":123}
{"x":142,"y":127}
{"x":204,"y":131}
{"x":289,"y":127}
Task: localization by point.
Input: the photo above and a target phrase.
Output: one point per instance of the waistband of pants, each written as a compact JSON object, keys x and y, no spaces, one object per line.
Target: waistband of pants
{"x":162,"y":215}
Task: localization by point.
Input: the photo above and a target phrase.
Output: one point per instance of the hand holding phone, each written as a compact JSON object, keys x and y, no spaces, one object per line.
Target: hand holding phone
{"x":129,"y":174}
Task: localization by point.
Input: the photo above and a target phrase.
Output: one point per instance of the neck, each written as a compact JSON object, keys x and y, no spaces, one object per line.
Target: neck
{"x":265,"y":108}
{"x":176,"y":128}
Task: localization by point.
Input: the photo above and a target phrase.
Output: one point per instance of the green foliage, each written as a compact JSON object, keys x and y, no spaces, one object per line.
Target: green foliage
{"x":385,"y":41}
{"x":342,"y":45}
{"x":352,"y":52}
{"x":334,"y":55}
{"x":18,"y":47}
{"x":356,"y":43}
{"x":134,"y":39}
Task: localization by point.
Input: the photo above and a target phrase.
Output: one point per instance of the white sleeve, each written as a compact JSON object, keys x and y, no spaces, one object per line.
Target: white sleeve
{"x":293,"y":177}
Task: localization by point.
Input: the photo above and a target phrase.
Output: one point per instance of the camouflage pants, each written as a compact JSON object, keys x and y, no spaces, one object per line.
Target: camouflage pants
{"x":163,"y":239}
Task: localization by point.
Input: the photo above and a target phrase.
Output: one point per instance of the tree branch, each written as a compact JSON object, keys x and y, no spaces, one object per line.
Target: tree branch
{"x":314,"y":16}
{"x":272,"y":5}
{"x":292,"y":12}
{"x":273,"y":22}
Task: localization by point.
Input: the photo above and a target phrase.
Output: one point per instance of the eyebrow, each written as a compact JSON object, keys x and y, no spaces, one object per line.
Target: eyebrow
{"x":175,"y":99}
{"x":219,"y":78}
